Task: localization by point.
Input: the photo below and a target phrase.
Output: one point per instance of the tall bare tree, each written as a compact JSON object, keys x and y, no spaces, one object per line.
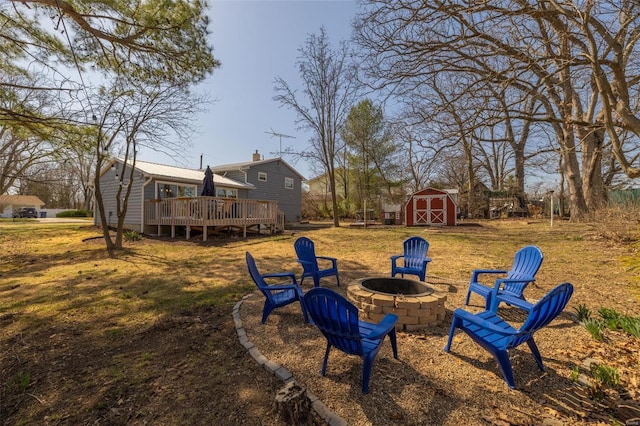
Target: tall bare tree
{"x":27,"y":145}
{"x":576,"y":59}
{"x":136,"y":115}
{"x":329,"y":90}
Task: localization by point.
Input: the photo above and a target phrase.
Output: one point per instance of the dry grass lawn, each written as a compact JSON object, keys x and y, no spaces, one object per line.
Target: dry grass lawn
{"x":147,"y":338}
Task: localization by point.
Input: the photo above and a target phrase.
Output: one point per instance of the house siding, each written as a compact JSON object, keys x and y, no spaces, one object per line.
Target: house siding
{"x":135,"y":210}
{"x":289,"y":200}
{"x":237,"y":175}
{"x":109,"y":187}
{"x":243,"y":179}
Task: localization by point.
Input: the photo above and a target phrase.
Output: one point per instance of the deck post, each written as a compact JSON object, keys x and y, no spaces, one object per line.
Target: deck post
{"x":204,"y":232}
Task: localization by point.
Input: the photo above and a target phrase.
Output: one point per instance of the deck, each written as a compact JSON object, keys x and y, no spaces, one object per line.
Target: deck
{"x":213,"y":214}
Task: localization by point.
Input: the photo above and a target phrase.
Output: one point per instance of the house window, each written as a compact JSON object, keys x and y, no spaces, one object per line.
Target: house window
{"x":288,"y":183}
{"x":170,"y":190}
{"x":262,"y":176}
{"x":226,"y":193}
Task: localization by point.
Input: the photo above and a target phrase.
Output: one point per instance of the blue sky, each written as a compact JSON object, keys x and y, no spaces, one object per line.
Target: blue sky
{"x":256,"y":41}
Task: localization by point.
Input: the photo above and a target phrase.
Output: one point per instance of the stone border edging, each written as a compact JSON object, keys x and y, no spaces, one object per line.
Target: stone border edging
{"x":279,"y":371}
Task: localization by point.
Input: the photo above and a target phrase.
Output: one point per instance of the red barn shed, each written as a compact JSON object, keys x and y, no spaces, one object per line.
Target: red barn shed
{"x":431,"y":206}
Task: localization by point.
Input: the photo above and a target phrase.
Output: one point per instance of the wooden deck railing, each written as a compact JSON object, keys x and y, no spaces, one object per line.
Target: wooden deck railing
{"x":213,"y":212}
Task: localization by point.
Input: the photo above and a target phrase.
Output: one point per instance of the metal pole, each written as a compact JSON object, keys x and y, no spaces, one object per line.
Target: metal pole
{"x":365,"y":212}
{"x":551,"y":193}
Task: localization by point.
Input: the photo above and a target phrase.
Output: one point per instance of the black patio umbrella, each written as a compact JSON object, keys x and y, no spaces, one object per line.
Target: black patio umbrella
{"x":208,"y":188}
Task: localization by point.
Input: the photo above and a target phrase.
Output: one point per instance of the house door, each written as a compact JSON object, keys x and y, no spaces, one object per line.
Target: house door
{"x":430,"y":209}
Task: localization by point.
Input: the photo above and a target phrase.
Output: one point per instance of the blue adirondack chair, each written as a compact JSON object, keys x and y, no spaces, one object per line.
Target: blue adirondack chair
{"x":307,"y":257}
{"x":275,"y":295}
{"x":337,"y":319}
{"x":497,"y":336}
{"x":509,"y":289}
{"x":414,"y":258}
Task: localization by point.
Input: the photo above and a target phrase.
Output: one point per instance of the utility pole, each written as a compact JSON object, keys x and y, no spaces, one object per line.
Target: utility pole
{"x":280,"y":135}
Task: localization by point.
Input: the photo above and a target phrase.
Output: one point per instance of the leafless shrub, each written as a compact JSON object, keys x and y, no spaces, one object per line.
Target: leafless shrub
{"x":618,"y":223}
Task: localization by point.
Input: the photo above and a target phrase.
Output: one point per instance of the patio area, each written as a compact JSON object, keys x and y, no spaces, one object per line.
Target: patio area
{"x":426,"y":385}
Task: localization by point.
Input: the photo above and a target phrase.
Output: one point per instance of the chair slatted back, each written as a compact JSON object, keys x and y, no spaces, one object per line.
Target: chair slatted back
{"x":415,"y":251}
{"x":545,"y":311}
{"x":256,"y":277}
{"x":336,"y":317}
{"x":526,"y":264}
{"x":305,"y":250}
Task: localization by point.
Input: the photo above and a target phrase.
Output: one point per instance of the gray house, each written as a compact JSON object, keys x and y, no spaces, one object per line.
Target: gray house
{"x":165,"y":198}
{"x":272,"y":179}
{"x":153,"y":183}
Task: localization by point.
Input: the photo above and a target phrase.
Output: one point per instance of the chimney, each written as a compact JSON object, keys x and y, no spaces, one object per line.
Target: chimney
{"x":256,"y":156}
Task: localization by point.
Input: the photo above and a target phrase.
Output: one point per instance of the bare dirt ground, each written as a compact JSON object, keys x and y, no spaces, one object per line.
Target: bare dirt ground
{"x":187,"y":380}
{"x":187,"y":366}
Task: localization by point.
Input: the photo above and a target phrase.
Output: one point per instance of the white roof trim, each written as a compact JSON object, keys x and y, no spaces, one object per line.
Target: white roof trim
{"x":162,"y":171}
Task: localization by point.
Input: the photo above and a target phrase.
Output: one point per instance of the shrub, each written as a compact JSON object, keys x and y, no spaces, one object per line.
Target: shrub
{"x":594,"y":327}
{"x":610,"y":319}
{"x":132,"y":236}
{"x":607,"y":376}
{"x":583,"y":312}
{"x":618,"y":223}
{"x":75,"y":213}
{"x":630,"y":325}
{"x":603,"y":377}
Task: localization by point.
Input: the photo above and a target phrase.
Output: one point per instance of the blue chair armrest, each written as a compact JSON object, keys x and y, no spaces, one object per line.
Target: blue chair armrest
{"x":511,"y":300}
{"x":515,"y":280}
{"x":493,"y":299}
{"x":427,"y":259}
{"x":383,"y":327}
{"x":290,"y":275}
{"x":477,"y":272}
{"x":394,"y":260}
{"x":305,"y":263}
{"x":480,"y":322}
{"x":282,"y":287}
{"x":500,"y":281}
{"x":332,"y":259}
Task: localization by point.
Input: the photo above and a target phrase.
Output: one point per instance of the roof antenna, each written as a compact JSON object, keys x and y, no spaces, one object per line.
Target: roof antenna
{"x":201,"y":161}
{"x":280,"y":135}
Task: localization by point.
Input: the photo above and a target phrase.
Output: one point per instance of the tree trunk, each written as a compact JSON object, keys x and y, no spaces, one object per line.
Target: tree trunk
{"x":571,"y":172}
{"x":334,"y":198}
{"x":103,"y":220}
{"x":592,"y":180}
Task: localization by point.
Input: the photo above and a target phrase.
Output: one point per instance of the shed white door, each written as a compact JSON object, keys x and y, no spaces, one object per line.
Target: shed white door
{"x":430,"y":209}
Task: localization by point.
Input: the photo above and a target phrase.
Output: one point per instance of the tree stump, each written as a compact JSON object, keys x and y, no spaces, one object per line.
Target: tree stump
{"x":292,"y":404}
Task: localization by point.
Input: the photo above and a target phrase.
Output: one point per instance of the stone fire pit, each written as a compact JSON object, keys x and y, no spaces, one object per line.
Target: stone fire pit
{"x":416,"y":304}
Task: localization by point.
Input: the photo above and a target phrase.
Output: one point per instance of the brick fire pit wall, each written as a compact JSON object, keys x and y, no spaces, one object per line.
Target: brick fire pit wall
{"x":414,"y":311}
